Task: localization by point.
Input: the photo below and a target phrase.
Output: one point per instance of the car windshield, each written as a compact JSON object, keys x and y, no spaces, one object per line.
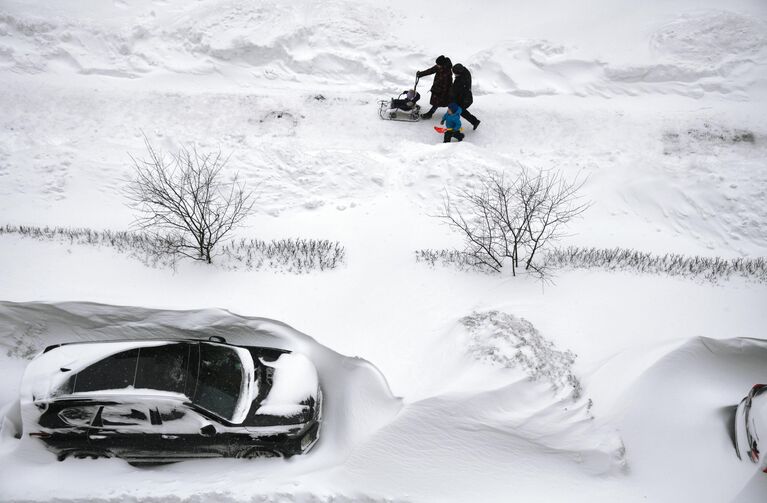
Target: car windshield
{"x":222,"y":377}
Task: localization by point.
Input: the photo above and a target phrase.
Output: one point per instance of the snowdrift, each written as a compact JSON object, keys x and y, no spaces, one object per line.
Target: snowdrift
{"x":699,"y":52}
{"x":481,"y":407}
{"x":497,"y":392}
{"x":679,"y":413}
{"x":274,"y":40}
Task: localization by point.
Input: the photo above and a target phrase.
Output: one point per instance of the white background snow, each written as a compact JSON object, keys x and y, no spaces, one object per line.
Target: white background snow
{"x":638,"y":97}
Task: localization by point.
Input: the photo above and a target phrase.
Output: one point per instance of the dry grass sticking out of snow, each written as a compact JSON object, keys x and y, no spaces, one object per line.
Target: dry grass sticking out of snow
{"x":710,"y":269}
{"x":285,"y":255}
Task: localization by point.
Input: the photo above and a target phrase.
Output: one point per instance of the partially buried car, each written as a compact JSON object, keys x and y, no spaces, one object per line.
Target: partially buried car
{"x":750,"y":422}
{"x":151,"y":401}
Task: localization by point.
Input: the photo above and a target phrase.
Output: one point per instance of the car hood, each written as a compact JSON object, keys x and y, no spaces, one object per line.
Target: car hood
{"x":294,"y":386}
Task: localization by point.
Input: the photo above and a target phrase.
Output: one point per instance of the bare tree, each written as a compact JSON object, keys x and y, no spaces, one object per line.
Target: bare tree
{"x":479,"y":226}
{"x":504,"y":221}
{"x":186,"y":201}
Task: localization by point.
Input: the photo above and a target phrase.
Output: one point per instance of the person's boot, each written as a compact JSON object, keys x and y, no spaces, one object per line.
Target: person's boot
{"x":427,"y":115}
{"x":476,"y":124}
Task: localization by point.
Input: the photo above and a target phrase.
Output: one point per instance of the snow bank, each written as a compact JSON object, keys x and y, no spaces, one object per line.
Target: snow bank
{"x":498,"y":416}
{"x":697,"y":54}
{"x":356,"y":43}
{"x":711,"y":37}
{"x":685,"y":403}
{"x":274,"y":40}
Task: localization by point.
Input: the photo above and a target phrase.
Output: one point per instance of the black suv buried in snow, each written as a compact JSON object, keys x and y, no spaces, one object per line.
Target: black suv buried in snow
{"x":150,"y":401}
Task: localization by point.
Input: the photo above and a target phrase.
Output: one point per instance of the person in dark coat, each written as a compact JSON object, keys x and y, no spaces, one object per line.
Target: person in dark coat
{"x":440,"y":88}
{"x":460,"y":93}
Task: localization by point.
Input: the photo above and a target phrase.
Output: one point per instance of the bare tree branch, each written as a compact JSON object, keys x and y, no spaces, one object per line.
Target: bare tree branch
{"x":185,"y":200}
{"x":513,"y":219}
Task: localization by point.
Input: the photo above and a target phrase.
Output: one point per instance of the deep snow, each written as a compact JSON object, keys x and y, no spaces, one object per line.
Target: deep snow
{"x":661,"y":108}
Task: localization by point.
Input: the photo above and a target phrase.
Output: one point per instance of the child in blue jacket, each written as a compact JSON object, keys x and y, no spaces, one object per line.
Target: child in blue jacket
{"x":452,"y":119}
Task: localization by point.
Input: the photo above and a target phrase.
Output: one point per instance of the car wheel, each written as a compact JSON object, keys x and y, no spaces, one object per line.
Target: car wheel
{"x":259,"y":452}
{"x":81,"y":455}
{"x":148,"y":464}
{"x":89,"y":455}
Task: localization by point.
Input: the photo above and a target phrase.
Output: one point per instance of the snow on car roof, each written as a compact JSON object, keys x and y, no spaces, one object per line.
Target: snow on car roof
{"x":49,"y":370}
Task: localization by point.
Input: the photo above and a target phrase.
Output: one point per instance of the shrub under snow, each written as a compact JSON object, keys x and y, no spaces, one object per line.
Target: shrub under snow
{"x":506,"y":341}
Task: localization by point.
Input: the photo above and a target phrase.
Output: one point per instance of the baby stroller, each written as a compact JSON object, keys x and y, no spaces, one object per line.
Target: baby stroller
{"x":402,"y":108}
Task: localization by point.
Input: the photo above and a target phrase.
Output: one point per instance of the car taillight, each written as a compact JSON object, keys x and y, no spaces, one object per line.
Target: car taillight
{"x":40,"y":434}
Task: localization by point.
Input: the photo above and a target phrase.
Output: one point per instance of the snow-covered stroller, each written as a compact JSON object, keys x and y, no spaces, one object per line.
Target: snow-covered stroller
{"x":402,"y":108}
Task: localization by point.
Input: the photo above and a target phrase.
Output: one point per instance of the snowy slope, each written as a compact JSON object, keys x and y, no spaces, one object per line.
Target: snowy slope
{"x":651,"y":104}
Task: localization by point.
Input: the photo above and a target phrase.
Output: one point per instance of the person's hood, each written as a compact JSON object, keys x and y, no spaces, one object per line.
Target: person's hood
{"x":459,"y":69}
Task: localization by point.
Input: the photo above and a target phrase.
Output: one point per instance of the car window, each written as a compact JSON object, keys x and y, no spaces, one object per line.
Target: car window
{"x":114,"y":372}
{"x":174,"y":418}
{"x":124,"y":415}
{"x":170,"y":414}
{"x":80,"y":415}
{"x":164,"y":367}
{"x":219,"y":380}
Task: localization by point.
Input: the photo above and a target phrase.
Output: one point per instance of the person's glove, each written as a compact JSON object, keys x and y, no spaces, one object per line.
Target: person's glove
{"x":418,"y":75}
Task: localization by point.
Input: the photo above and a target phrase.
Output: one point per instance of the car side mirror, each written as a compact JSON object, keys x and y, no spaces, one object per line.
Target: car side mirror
{"x":208,"y":430}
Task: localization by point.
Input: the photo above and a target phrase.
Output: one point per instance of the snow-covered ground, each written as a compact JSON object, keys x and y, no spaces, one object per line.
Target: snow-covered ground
{"x":603,"y":386}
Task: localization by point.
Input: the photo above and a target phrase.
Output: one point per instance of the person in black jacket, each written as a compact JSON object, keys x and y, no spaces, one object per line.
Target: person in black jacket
{"x":460,"y":93}
{"x":440,"y":89}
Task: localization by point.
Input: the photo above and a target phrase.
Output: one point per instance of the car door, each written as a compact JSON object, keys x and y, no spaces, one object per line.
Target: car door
{"x":156,"y":431}
{"x":124,"y":430}
{"x":187,"y":434}
{"x":77,"y":418}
